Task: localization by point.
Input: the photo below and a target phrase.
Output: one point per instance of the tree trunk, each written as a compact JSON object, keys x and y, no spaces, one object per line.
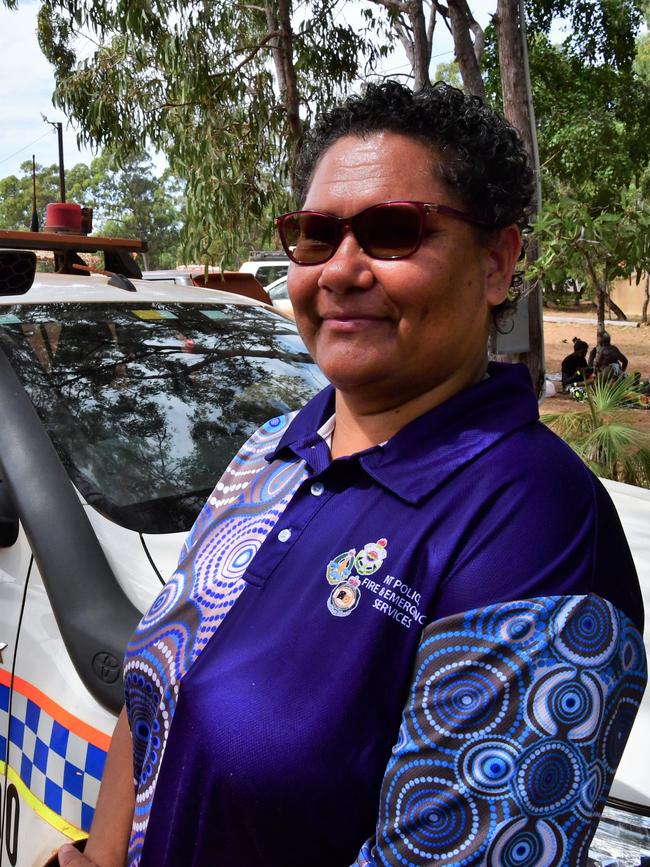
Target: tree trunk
{"x":615,"y":309}
{"x":600,"y":292}
{"x":421,"y":56}
{"x":416,"y":37}
{"x":646,"y":299}
{"x":282,"y":53}
{"x":601,"y":296}
{"x":518,"y":109}
{"x":468,"y":53}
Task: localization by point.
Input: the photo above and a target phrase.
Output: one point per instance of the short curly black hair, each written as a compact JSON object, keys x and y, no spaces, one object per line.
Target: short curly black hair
{"x":482,"y":157}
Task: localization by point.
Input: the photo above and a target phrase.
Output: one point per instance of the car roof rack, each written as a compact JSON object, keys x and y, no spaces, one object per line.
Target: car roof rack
{"x":261,"y":255}
{"x":67,"y":247}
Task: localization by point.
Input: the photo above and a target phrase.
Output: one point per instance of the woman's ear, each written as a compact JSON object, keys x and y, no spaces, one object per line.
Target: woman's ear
{"x":503,"y":250}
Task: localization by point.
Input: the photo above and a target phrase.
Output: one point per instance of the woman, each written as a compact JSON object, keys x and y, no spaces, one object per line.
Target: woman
{"x":391,"y":638}
{"x":574,"y":366}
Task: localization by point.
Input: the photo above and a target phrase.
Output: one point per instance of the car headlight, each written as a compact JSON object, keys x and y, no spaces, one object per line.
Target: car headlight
{"x":622,"y":839}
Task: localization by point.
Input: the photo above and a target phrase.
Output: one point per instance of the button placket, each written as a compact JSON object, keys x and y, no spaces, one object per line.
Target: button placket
{"x":300,"y":512}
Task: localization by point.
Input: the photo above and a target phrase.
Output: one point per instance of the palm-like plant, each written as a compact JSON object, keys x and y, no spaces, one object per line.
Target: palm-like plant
{"x":601,"y":434}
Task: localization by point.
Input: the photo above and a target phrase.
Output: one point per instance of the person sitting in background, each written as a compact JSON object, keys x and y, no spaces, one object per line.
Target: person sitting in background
{"x":574,"y":366}
{"x":607,"y":359}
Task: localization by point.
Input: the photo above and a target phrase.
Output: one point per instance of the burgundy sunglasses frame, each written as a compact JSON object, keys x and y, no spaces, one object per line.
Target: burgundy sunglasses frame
{"x":343,"y":223}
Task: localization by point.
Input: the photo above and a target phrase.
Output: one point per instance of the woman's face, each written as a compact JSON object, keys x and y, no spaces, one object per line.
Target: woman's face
{"x":393,"y":330}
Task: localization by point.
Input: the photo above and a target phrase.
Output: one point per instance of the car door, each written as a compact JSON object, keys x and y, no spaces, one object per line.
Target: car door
{"x":15,"y":565}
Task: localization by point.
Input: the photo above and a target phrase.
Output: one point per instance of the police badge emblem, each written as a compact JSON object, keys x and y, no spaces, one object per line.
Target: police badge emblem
{"x":343,"y":599}
{"x":345,"y":596}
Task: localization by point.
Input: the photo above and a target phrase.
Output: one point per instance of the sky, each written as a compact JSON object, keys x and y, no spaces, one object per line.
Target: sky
{"x":29,"y":84}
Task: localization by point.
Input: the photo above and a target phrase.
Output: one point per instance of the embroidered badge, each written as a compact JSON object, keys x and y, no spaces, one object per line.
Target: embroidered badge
{"x":340,"y":567}
{"x":345,"y":596}
{"x":371,"y":556}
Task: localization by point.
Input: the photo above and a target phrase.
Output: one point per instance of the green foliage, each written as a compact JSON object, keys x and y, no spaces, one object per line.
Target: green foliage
{"x":592,"y":249}
{"x":130,"y":201}
{"x":127,"y":201}
{"x":642,"y":59}
{"x":450,"y":73}
{"x":602,"y":435}
{"x":592,"y":124}
{"x":591,"y":121}
{"x":600,"y":33}
{"x":194,"y":79}
{"x":16,"y":192}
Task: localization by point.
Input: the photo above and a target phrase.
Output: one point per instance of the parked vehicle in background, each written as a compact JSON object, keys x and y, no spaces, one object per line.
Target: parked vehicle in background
{"x":279,"y":295}
{"x":237,"y":282}
{"x":177,"y":275}
{"x":266,"y":266}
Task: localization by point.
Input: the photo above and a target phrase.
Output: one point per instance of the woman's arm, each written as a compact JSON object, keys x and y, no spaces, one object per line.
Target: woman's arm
{"x":109,"y":834}
{"x":516,"y":720}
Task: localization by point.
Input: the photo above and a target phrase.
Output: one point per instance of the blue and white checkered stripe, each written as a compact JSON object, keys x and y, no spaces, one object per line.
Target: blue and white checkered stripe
{"x":60,"y":768}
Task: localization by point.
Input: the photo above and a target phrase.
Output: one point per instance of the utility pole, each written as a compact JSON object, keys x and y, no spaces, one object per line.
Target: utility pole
{"x":58,"y":126}
{"x":510,"y":24}
{"x":34,"y":224}
{"x":59,"y":130}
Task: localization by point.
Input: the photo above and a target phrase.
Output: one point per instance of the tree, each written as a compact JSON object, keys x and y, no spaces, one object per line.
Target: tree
{"x":450,"y":73}
{"x":518,"y":109}
{"x":129,"y":200}
{"x":590,"y":112}
{"x":223,"y":89}
{"x":592,"y":125}
{"x":600,"y":32}
{"x":414,"y":22}
{"x":595,"y":249}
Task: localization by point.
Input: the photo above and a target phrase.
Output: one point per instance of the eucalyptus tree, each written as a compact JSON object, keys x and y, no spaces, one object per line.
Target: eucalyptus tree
{"x":223,"y":89}
{"x":414,"y":22}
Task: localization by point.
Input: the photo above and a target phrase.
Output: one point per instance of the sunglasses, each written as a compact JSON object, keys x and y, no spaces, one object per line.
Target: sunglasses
{"x":390,"y":230}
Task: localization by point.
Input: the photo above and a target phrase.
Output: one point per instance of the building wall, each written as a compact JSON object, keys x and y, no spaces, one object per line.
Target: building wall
{"x":629,"y":296}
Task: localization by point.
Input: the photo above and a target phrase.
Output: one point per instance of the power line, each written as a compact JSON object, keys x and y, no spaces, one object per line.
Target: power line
{"x":407,"y":64}
{"x":27,"y":146}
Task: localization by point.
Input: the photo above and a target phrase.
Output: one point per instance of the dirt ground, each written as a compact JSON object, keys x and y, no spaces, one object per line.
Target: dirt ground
{"x":633,"y":342}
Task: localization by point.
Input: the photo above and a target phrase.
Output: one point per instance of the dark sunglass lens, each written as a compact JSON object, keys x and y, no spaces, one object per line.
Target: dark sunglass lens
{"x":312,"y":237}
{"x":389,"y":231}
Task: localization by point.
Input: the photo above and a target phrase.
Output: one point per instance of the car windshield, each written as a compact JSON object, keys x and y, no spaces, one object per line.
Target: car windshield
{"x":147,"y":403}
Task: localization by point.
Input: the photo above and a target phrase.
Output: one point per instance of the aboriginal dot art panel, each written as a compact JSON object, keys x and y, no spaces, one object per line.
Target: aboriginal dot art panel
{"x":242,"y":510}
{"x":516,"y":722}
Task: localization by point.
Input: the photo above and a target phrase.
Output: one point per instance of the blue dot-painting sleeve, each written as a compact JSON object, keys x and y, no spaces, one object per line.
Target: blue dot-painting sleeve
{"x":515,"y":723}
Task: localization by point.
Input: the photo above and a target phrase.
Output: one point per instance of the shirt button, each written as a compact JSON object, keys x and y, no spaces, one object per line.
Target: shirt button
{"x":284,"y":535}
{"x":317,"y":489}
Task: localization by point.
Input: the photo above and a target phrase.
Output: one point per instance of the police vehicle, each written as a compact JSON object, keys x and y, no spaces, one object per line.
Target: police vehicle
{"x":121,"y":402}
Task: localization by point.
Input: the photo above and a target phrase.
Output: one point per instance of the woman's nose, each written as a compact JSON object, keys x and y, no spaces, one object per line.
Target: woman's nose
{"x":349,"y":268}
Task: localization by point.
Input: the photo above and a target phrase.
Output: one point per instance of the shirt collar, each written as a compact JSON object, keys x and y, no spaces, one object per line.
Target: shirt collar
{"x":433,"y":447}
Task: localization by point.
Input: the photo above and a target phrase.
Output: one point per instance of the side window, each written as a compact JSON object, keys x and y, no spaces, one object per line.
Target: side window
{"x":279,"y":293}
{"x":268,"y":273}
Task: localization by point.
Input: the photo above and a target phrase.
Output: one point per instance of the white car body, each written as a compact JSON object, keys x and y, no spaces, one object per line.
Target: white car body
{"x":278,"y":292}
{"x":266,"y":270}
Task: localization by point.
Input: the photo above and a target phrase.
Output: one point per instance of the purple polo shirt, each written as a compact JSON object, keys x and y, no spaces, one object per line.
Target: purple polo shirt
{"x":266,"y":686}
